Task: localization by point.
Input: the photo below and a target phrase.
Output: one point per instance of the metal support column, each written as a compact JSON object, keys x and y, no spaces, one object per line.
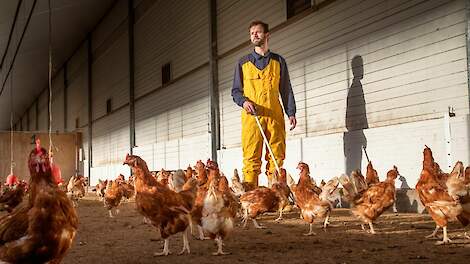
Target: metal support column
{"x":66,"y":84}
{"x":90,"y":107}
{"x":131,"y":75}
{"x":213,"y":81}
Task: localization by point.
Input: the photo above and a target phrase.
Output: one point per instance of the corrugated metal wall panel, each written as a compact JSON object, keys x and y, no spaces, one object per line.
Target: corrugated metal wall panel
{"x":58,"y":102}
{"x":234,"y":17}
{"x":385,"y":147}
{"x":169,"y":32}
{"x":111,"y":138}
{"x":24,"y":122}
{"x":230,"y":120}
{"x":111,"y":84}
{"x":414,"y":65}
{"x":146,"y":153}
{"x":401,"y":50}
{"x":193,"y":149}
{"x":42,"y":108}
{"x":77,"y":62}
{"x":109,"y":24}
{"x":175,"y":120}
{"x":77,"y":101}
{"x":180,"y":109}
{"x":85,"y":141}
{"x":32,"y":117}
{"x":77,"y":90}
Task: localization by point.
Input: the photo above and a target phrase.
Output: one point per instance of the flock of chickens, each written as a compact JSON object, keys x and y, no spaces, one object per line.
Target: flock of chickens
{"x":41,"y":226}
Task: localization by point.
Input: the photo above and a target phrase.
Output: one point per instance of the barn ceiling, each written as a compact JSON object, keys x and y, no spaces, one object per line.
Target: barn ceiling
{"x":27,"y":73}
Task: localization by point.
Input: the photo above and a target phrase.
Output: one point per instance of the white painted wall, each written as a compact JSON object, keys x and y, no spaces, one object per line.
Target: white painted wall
{"x":414,"y":66}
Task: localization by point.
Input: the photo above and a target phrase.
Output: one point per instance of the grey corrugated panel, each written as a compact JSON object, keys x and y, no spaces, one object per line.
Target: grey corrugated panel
{"x":169,"y":32}
{"x":111,"y":138}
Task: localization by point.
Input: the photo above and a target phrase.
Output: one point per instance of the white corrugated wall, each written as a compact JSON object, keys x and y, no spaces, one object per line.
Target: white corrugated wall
{"x":110,"y":80}
{"x":172,"y":121}
{"x":414,"y":64}
{"x":110,"y":145}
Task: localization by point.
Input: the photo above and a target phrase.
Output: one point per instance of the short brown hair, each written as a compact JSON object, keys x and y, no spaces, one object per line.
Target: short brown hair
{"x":259,"y":22}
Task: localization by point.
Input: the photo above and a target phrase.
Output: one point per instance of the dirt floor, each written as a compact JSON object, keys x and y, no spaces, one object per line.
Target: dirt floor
{"x":400,"y":239}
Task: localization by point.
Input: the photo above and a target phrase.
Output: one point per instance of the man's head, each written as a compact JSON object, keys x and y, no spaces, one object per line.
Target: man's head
{"x":259,"y":33}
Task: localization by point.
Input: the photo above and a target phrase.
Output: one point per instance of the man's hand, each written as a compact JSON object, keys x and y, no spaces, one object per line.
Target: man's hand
{"x":293,"y":122}
{"x":249,"y":107}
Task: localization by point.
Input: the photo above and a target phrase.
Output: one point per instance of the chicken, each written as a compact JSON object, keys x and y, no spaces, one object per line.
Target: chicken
{"x":188,"y":174}
{"x":12,"y":196}
{"x":372,"y":176}
{"x":203,"y":186}
{"x":127,"y":189}
{"x":218,"y":211}
{"x":261,"y":200}
{"x":163,"y":177}
{"x":309,"y":202}
{"x":177,"y":180}
{"x":279,"y":186}
{"x":467,"y":175}
{"x":112,"y":197}
{"x":433,"y":193}
{"x":100,"y":188}
{"x":314,"y":186}
{"x":369,"y":204}
{"x":168,"y":211}
{"x":42,"y":228}
{"x":230,"y":198}
{"x":237,"y":186}
{"x":76,"y":188}
{"x":458,"y":187}
{"x":359,"y":181}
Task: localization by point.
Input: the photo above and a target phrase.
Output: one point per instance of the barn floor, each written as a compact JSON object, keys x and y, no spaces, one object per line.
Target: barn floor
{"x":125,"y":239}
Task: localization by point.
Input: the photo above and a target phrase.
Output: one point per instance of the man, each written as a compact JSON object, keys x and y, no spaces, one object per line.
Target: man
{"x":260,"y":77}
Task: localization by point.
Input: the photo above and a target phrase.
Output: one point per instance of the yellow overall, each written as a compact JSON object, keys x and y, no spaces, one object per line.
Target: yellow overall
{"x":262,"y":88}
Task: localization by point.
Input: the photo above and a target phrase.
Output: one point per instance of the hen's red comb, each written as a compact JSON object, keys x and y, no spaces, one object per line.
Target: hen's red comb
{"x":38,"y":144}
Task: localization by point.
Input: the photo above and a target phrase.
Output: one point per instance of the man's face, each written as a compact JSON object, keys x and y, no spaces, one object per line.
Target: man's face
{"x":257,"y":35}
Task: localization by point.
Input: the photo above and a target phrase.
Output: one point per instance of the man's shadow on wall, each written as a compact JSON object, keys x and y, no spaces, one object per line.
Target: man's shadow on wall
{"x":354,"y":139}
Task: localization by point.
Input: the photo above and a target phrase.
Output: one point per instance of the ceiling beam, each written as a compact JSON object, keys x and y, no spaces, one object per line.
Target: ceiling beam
{"x":11,"y":32}
{"x":18,"y":47}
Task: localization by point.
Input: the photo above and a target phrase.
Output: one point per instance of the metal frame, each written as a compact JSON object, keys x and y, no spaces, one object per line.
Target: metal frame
{"x":213,"y":81}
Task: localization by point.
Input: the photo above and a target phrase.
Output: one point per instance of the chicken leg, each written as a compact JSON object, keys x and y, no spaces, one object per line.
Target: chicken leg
{"x":185,"y":243}
{"x":280,"y":216}
{"x":257,"y":225}
{"x":201,"y":233}
{"x":166,"y":250}
{"x":219,"y":247}
{"x":245,"y":218}
{"x":445,"y":239}
{"x":326,"y":223}
{"x":310,"y":232}
{"x":372,"y":231}
{"x":433,"y":234}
